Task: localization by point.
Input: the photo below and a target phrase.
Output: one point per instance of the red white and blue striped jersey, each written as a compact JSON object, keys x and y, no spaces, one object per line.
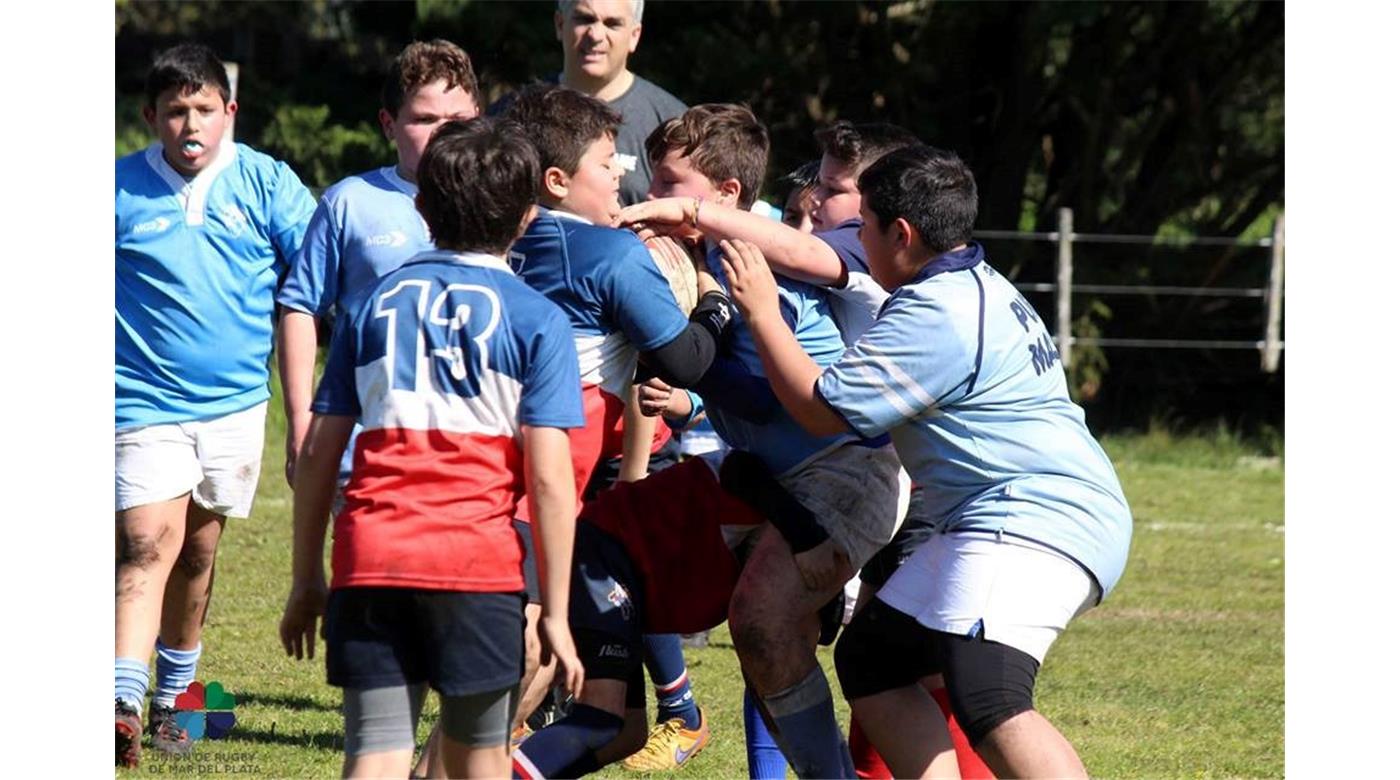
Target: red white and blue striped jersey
{"x":606,"y":282}
{"x":448,"y":358}
{"x":618,"y":304}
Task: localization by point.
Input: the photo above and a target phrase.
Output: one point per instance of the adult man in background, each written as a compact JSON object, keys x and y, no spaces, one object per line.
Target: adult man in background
{"x":598,"y":36}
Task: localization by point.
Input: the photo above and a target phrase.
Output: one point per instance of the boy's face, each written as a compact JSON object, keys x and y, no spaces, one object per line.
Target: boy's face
{"x":593,"y":187}
{"x":423,"y":111}
{"x":190,"y":126}
{"x":675,"y":177}
{"x":598,"y":36}
{"x":797,"y":212}
{"x":836,"y":197}
{"x":881,"y":249}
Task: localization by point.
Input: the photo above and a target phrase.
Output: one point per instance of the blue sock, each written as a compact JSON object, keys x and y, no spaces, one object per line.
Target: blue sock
{"x":174,"y":672}
{"x":766,"y":761}
{"x":806,"y":728}
{"x":132,"y":678}
{"x":666,"y":665}
{"x":565,"y":747}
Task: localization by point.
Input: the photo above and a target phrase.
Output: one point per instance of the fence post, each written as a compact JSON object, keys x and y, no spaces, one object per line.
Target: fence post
{"x":231,"y":68}
{"x":1064,"y":274}
{"x":1274,"y":301}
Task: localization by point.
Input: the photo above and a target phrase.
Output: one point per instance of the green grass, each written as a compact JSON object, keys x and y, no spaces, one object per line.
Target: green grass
{"x":1179,"y":674}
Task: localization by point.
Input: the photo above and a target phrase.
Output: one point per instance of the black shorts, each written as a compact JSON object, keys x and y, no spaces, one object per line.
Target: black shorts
{"x":527,"y":563}
{"x":605,"y":609}
{"x":912,"y":532}
{"x":459,"y":643}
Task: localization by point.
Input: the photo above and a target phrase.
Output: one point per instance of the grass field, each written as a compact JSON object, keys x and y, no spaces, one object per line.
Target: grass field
{"x":1179,"y":674}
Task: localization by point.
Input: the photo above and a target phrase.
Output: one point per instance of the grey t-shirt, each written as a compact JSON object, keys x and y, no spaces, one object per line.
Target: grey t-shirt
{"x":643,"y":106}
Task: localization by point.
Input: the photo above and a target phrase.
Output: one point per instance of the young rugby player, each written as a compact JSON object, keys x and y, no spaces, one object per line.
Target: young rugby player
{"x":465,"y":381}
{"x":204,"y":228}
{"x":713,"y":157}
{"x":636,"y":570}
{"x":962,"y":373}
{"x":829,"y":254}
{"x":622,"y":307}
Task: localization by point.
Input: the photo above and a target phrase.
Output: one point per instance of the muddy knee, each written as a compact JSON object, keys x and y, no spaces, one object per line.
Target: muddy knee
{"x":140,"y":550}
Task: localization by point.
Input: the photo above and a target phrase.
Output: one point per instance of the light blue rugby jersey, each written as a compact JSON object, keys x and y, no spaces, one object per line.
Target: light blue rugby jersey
{"x":197,"y":264}
{"x":364,"y":227}
{"x":963,"y":374}
{"x":781,"y":442}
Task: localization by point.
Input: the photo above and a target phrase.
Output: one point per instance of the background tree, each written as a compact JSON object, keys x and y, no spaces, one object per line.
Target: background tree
{"x":1160,"y":119}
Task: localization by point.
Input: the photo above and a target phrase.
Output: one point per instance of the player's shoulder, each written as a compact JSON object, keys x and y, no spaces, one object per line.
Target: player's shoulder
{"x":133,"y":163}
{"x":260,"y":162}
{"x":598,"y":247}
{"x":601,"y":237}
{"x":367,"y":185}
{"x":666,"y":104}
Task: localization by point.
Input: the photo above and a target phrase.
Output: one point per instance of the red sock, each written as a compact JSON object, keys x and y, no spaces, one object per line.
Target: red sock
{"x":869,"y":765}
{"x":970,"y":765}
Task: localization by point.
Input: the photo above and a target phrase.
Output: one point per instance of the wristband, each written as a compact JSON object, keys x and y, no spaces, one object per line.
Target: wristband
{"x":695,"y":214}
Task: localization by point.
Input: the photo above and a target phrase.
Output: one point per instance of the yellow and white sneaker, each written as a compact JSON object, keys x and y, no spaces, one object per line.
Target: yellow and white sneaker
{"x":669,"y":745}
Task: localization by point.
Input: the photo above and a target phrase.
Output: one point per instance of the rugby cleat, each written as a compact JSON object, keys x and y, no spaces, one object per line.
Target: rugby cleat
{"x":669,"y":745}
{"x":128,"y":735}
{"x":166,"y":734}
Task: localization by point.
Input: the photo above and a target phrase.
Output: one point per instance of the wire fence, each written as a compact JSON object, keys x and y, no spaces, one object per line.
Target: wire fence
{"x":1269,"y":344}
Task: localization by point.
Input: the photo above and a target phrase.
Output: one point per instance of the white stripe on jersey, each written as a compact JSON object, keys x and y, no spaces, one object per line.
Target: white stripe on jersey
{"x":878,"y":382}
{"x":913,"y":388}
{"x":492,"y":412}
{"x":607,"y":361}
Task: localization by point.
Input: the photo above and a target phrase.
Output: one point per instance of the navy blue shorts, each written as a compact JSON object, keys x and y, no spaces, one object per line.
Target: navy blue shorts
{"x":459,"y":643}
{"x":605,"y":609}
{"x":527,"y":563}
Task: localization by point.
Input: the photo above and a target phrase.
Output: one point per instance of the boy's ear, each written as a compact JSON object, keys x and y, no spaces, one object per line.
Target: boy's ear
{"x":148,"y":113}
{"x":231,"y":108}
{"x":904,"y":233}
{"x":729,"y":190}
{"x":558,"y":26}
{"x":556,"y":182}
{"x":386,"y":123}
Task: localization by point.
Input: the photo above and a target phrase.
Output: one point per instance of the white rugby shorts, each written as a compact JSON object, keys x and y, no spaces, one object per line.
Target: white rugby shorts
{"x":217,"y":461}
{"x":1022,"y":594}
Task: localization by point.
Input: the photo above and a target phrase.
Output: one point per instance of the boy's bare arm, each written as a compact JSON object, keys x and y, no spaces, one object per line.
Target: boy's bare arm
{"x":637,"y":433}
{"x":550,"y":484}
{"x":791,"y":252}
{"x":296,"y":366}
{"x":311,"y":505}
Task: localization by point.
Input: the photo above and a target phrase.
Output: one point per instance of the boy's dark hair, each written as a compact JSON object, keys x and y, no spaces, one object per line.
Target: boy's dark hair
{"x":476,"y":181}
{"x":722,"y":140}
{"x":859,"y":145}
{"x":803,"y":177}
{"x":189,"y":67}
{"x":931,"y":188}
{"x":562,"y":123}
{"x":423,"y":62}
